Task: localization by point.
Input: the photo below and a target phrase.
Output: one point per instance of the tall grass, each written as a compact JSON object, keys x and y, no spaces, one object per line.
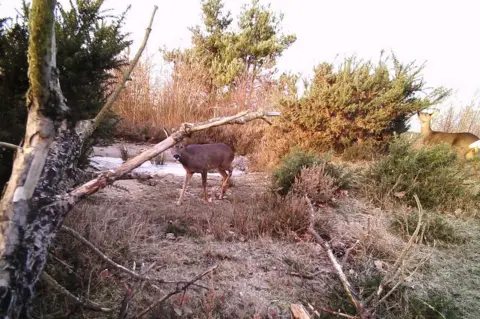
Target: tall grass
{"x":151,"y":102}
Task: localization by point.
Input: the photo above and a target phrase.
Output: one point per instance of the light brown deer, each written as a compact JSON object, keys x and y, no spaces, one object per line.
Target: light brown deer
{"x":200,"y":158}
{"x":460,"y":141}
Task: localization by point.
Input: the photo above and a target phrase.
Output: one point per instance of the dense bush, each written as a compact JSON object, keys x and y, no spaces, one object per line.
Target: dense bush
{"x":292,"y":164}
{"x":290,"y":167}
{"x":354,"y":103}
{"x":433,"y":173}
{"x":315,"y":183}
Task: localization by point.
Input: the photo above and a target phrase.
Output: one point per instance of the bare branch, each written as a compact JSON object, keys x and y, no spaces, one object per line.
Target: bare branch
{"x":336,"y":265}
{"x":359,"y":306}
{"x":397,"y":266}
{"x":77,"y":300}
{"x":111,"y":99}
{"x":176,"y":291}
{"x":344,"y":315}
{"x":119,"y":267}
{"x":9,"y":145}
{"x":106,"y":259}
{"x":109,"y":177}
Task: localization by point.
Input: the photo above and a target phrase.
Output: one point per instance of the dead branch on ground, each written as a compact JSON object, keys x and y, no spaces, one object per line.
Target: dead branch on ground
{"x":129,"y":293}
{"x":118,"y":267}
{"x":397,"y":272}
{"x":352,"y":295}
{"x":176,"y":291}
{"x":396,"y":276}
{"x":85,"y":303}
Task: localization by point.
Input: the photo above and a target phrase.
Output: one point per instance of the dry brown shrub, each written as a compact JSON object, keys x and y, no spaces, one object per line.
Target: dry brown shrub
{"x":272,"y":215}
{"x":244,"y":139}
{"x":315,"y":183}
{"x":148,"y":104}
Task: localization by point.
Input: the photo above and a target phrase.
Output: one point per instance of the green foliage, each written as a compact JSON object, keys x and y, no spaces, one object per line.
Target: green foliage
{"x":366,"y":151}
{"x":434,"y":174}
{"x":89,"y":46}
{"x":89,"y":43}
{"x":290,"y":167}
{"x":13,"y":87}
{"x":359,"y":101}
{"x":227,"y":54}
{"x":292,"y":164}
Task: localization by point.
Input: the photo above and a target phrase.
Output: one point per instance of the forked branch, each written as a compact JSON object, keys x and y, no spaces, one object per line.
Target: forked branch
{"x":397,"y":271}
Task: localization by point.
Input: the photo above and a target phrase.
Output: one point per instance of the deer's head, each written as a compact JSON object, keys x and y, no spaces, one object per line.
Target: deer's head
{"x":177,"y":149}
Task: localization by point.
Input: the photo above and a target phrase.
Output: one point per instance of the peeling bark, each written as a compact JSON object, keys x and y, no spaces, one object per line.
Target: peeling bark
{"x":30,"y":210}
{"x":41,"y":190}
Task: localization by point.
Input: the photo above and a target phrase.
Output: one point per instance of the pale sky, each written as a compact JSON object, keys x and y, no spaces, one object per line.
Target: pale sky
{"x":444,"y":34}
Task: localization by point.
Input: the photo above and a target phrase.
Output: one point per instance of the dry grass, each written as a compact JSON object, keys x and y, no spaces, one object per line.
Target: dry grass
{"x":460,"y":119}
{"x":254,"y":273}
{"x":148,"y":104}
{"x":259,"y":241}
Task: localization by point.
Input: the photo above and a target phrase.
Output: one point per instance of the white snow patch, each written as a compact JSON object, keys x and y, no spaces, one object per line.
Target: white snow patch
{"x":175,"y":168}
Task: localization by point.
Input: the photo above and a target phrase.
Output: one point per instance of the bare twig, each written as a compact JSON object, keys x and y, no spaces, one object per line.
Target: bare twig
{"x":399,"y":262}
{"x":77,"y":300}
{"x":130,"y":293}
{"x":119,"y":267}
{"x":176,"y":291}
{"x":347,"y":253}
{"x":304,"y":276}
{"x":9,"y":145}
{"x":359,"y":306}
{"x":111,"y":99}
{"x":104,"y":257}
{"x":344,"y":315}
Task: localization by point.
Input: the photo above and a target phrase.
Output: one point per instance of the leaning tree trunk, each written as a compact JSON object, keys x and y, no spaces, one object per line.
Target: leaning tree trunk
{"x":40,"y":192}
{"x":23,"y":231}
{"x":31,"y":209}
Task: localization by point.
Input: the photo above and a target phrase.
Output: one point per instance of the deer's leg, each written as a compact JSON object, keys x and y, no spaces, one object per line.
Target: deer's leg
{"x":188,"y":177}
{"x":225,"y":182}
{"x":224,"y":178}
{"x":204,"y":184}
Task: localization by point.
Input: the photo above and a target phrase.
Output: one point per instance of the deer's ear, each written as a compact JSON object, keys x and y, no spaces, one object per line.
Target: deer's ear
{"x":435,"y":113}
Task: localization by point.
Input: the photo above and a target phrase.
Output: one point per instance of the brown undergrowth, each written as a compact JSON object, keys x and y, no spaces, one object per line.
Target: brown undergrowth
{"x":259,"y":239}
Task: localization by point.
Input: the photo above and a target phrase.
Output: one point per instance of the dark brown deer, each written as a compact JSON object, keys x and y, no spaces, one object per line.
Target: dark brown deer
{"x":200,"y":158}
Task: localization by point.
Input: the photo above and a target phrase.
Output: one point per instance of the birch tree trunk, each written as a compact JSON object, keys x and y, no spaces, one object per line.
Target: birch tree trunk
{"x":41,"y":190}
{"x":23,"y":232}
{"x":44,"y":167}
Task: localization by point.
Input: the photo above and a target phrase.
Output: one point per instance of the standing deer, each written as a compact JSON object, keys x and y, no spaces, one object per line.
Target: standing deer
{"x":200,"y":158}
{"x":462,"y":142}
